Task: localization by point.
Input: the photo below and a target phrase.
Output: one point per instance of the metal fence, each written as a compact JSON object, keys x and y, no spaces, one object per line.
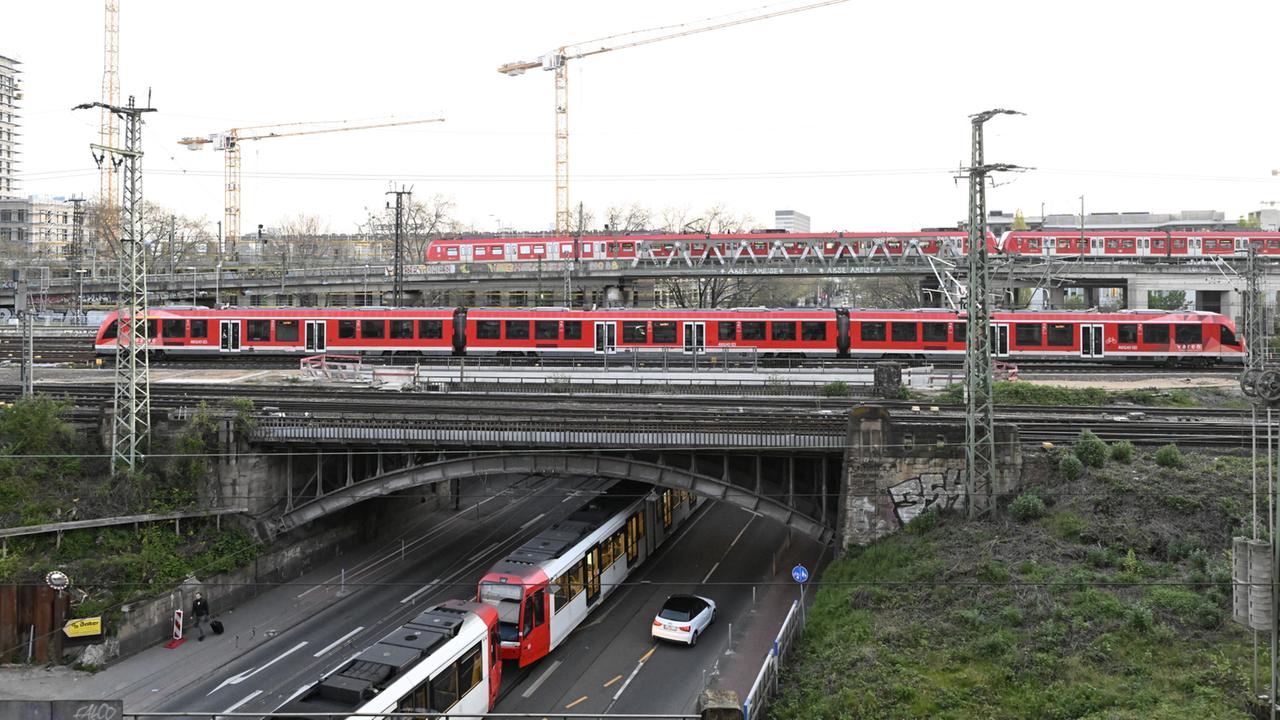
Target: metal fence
{"x":766,"y":685}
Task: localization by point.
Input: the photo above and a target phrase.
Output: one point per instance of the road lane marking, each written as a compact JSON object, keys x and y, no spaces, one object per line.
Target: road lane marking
{"x":295,"y":694}
{"x":615,"y":679}
{"x":246,"y":699}
{"x":744,"y":529}
{"x":649,"y":654}
{"x":630,"y":677}
{"x":536,"y":519}
{"x":575,"y":702}
{"x":529,"y":691}
{"x":237,"y":679}
{"x":482,"y":553}
{"x":338,"y":642}
{"x":708,"y":577}
{"x":419,"y":591}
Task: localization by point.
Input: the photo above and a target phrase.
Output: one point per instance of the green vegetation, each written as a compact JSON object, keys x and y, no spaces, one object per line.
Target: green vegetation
{"x":1091,"y":451}
{"x":1029,"y":393}
{"x":1070,"y":467}
{"x":837,"y":388}
{"x":1122,"y":452}
{"x":1169,"y":456}
{"x":1108,"y":603}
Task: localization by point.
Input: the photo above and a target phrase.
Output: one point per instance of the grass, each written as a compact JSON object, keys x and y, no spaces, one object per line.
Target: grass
{"x":1028,"y":393}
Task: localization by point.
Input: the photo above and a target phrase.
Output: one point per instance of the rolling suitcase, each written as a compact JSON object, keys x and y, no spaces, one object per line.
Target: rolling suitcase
{"x":216,"y":627}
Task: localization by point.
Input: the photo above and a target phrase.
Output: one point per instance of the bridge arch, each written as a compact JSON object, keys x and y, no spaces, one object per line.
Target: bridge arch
{"x":607,"y":466}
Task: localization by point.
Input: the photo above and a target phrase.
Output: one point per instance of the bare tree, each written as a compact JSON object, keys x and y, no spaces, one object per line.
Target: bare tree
{"x":632,"y":218}
{"x":305,"y":243}
{"x":423,"y":221}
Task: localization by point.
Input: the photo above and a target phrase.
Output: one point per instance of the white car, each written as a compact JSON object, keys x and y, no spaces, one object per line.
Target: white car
{"x":683,"y":618}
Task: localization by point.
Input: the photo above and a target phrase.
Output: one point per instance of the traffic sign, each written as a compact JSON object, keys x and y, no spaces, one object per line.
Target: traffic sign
{"x":83,"y":627}
{"x":800,"y":574}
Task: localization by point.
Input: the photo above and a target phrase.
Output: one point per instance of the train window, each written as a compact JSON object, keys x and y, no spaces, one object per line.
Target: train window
{"x":401,"y":329}
{"x":904,"y":331}
{"x":173,"y":328}
{"x":258,"y":330}
{"x":1027,"y":333}
{"x":346,"y":329}
{"x":1228,"y":337}
{"x":1033,"y":243}
{"x":1112,"y":244}
{"x":1158,"y":244}
{"x":150,"y":327}
{"x":444,"y":689}
{"x":488,"y":329}
{"x":1127,"y":333}
{"x":1061,"y":335}
{"x":111,"y":331}
{"x":1210,"y":244}
{"x":373,"y":329}
{"x":626,"y":247}
{"x":667,"y":502}
{"x":619,"y":544}
{"x":663,"y":332}
{"x":782,"y":331}
{"x":1179,"y":243}
{"x":286,"y":331}
{"x":575,"y":580}
{"x":199,"y":329}
{"x":933,"y":331}
{"x":451,"y":252}
{"x":1273,"y":244}
{"x":430,"y":329}
{"x":606,"y":553}
{"x":524,"y":249}
{"x":1186,"y":334}
{"x":728,"y":331}
{"x":546,"y":330}
{"x":1155,"y":333}
{"x":481,"y":251}
{"x":572,"y":330}
{"x":961,"y":331}
{"x":470,"y":670}
{"x":566,"y":248}
{"x":635,"y":333}
{"x":873,"y":331}
{"x":1127,"y":243}
{"x":517,"y":329}
{"x":753,"y":330}
{"x":813,"y":331}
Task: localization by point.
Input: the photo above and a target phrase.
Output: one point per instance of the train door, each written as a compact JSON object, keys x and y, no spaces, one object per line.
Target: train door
{"x":1097,"y":246}
{"x":1091,"y":341}
{"x":592,"y":569}
{"x":999,"y":341}
{"x":315,"y":336}
{"x":606,"y":337}
{"x":695,"y":337}
{"x":1193,"y":246}
{"x":535,"y":630}
{"x":229,"y":335}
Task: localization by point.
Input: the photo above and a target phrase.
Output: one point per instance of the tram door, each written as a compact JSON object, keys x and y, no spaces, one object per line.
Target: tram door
{"x":695,"y":337}
{"x":229,"y":335}
{"x":1090,"y":341}
{"x":315,"y":336}
{"x":606,"y":337}
{"x":999,"y":341}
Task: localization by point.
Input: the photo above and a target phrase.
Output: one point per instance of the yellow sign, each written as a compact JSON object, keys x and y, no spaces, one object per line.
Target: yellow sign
{"x":83,"y":627}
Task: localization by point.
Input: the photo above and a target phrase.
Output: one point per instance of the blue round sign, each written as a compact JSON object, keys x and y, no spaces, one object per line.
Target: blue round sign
{"x":800,"y":574}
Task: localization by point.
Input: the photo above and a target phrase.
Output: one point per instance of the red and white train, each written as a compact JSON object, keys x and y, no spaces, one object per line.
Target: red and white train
{"x":444,"y":660}
{"x":550,"y":584}
{"x":1182,"y":337}
{"x":763,"y":246}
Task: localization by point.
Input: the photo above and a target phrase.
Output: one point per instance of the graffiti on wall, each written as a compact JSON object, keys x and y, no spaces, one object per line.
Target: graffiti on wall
{"x":941,"y":490}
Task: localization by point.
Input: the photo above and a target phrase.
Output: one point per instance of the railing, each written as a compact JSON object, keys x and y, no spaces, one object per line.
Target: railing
{"x":766,"y":685}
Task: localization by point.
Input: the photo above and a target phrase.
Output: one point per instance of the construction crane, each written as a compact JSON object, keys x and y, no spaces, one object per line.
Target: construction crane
{"x":557,"y":61}
{"x":230,"y":140}
{"x":108,"y":133}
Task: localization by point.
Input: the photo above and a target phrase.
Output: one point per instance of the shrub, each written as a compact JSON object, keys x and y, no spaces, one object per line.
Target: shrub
{"x":838,"y":388}
{"x":924,"y":522}
{"x":1169,"y":456}
{"x":1122,"y":451}
{"x":1026,"y":508}
{"x":1090,"y":450}
{"x":1070,"y":467}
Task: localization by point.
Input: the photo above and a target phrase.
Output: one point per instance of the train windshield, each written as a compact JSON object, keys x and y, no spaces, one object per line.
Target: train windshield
{"x":493,"y":593}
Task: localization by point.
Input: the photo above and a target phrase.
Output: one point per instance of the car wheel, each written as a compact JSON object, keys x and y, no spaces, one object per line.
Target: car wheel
{"x":693,"y":639}
{"x":713,"y":616}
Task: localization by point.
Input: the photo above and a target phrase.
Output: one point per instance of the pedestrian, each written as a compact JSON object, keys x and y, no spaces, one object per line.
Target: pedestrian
{"x":200,"y":611}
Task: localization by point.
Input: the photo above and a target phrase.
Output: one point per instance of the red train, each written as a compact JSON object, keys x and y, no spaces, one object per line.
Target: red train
{"x":1141,"y":336}
{"x":762,"y":246}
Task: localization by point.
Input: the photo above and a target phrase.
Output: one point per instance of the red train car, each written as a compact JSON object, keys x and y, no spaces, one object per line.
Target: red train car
{"x":1138,"y":244}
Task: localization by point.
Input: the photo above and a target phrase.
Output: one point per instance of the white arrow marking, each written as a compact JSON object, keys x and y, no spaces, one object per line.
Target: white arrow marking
{"x":237,"y":679}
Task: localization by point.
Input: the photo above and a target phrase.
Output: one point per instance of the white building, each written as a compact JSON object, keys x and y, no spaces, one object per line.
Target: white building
{"x":35,"y":227}
{"x":10,"y":94}
{"x":791,"y":221}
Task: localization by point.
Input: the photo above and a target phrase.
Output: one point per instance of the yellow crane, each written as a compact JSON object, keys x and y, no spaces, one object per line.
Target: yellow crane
{"x":557,"y":61}
{"x":229,"y":142}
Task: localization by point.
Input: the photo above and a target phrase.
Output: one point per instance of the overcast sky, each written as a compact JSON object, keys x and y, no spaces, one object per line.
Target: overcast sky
{"x":855,"y":114}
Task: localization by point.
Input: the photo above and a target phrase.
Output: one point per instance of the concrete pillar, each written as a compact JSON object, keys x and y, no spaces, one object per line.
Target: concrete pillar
{"x":1056,"y":298}
{"x":1090,"y":297}
{"x":1137,"y":294}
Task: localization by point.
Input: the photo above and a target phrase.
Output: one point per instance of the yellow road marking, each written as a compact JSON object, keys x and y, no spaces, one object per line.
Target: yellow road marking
{"x":615,"y":679}
{"x":575,"y":702}
{"x":646,"y":655}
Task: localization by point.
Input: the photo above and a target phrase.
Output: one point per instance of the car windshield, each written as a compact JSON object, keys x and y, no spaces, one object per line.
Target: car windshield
{"x":679,"y":609}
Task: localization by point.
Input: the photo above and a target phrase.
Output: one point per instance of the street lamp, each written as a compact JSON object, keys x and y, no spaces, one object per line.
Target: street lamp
{"x":217,"y":286}
{"x":80,"y":293}
{"x":193,"y":283}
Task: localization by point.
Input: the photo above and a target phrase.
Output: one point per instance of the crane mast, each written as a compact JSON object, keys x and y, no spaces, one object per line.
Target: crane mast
{"x":108,"y":134}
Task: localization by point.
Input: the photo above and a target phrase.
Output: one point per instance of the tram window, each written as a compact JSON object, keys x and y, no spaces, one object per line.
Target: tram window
{"x":199,"y":329}
{"x":529,"y":616}
{"x":1027,"y":334}
{"x":152,"y":329}
{"x":728,"y":331}
{"x":664,"y":332}
{"x":1185,"y":334}
{"x":961,"y":331}
{"x":1061,"y":335}
{"x":572,"y":330}
{"x":286,"y":331}
{"x":606,"y":553}
{"x":173,"y":328}
{"x":873,"y":331}
{"x":753,"y":331}
{"x":346,"y":329}
{"x":112,"y":330}
{"x":517,"y":329}
{"x":782,"y":330}
{"x":904,"y":332}
{"x":575,"y":580}
{"x":635,"y":333}
{"x":401,"y":329}
{"x":1155,"y":333}
{"x":444,"y":689}
{"x":488,"y":329}
{"x":813,"y":331}
{"x":373,"y":329}
{"x":546,"y":330}
{"x":470,"y":670}
{"x":933,"y":331}
{"x":430,"y":329}
{"x":258,"y":330}
{"x":1127,"y":333}
{"x":1227,"y":336}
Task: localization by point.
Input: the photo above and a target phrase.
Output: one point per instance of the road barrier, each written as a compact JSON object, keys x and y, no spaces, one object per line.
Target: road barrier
{"x":766,"y":685}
